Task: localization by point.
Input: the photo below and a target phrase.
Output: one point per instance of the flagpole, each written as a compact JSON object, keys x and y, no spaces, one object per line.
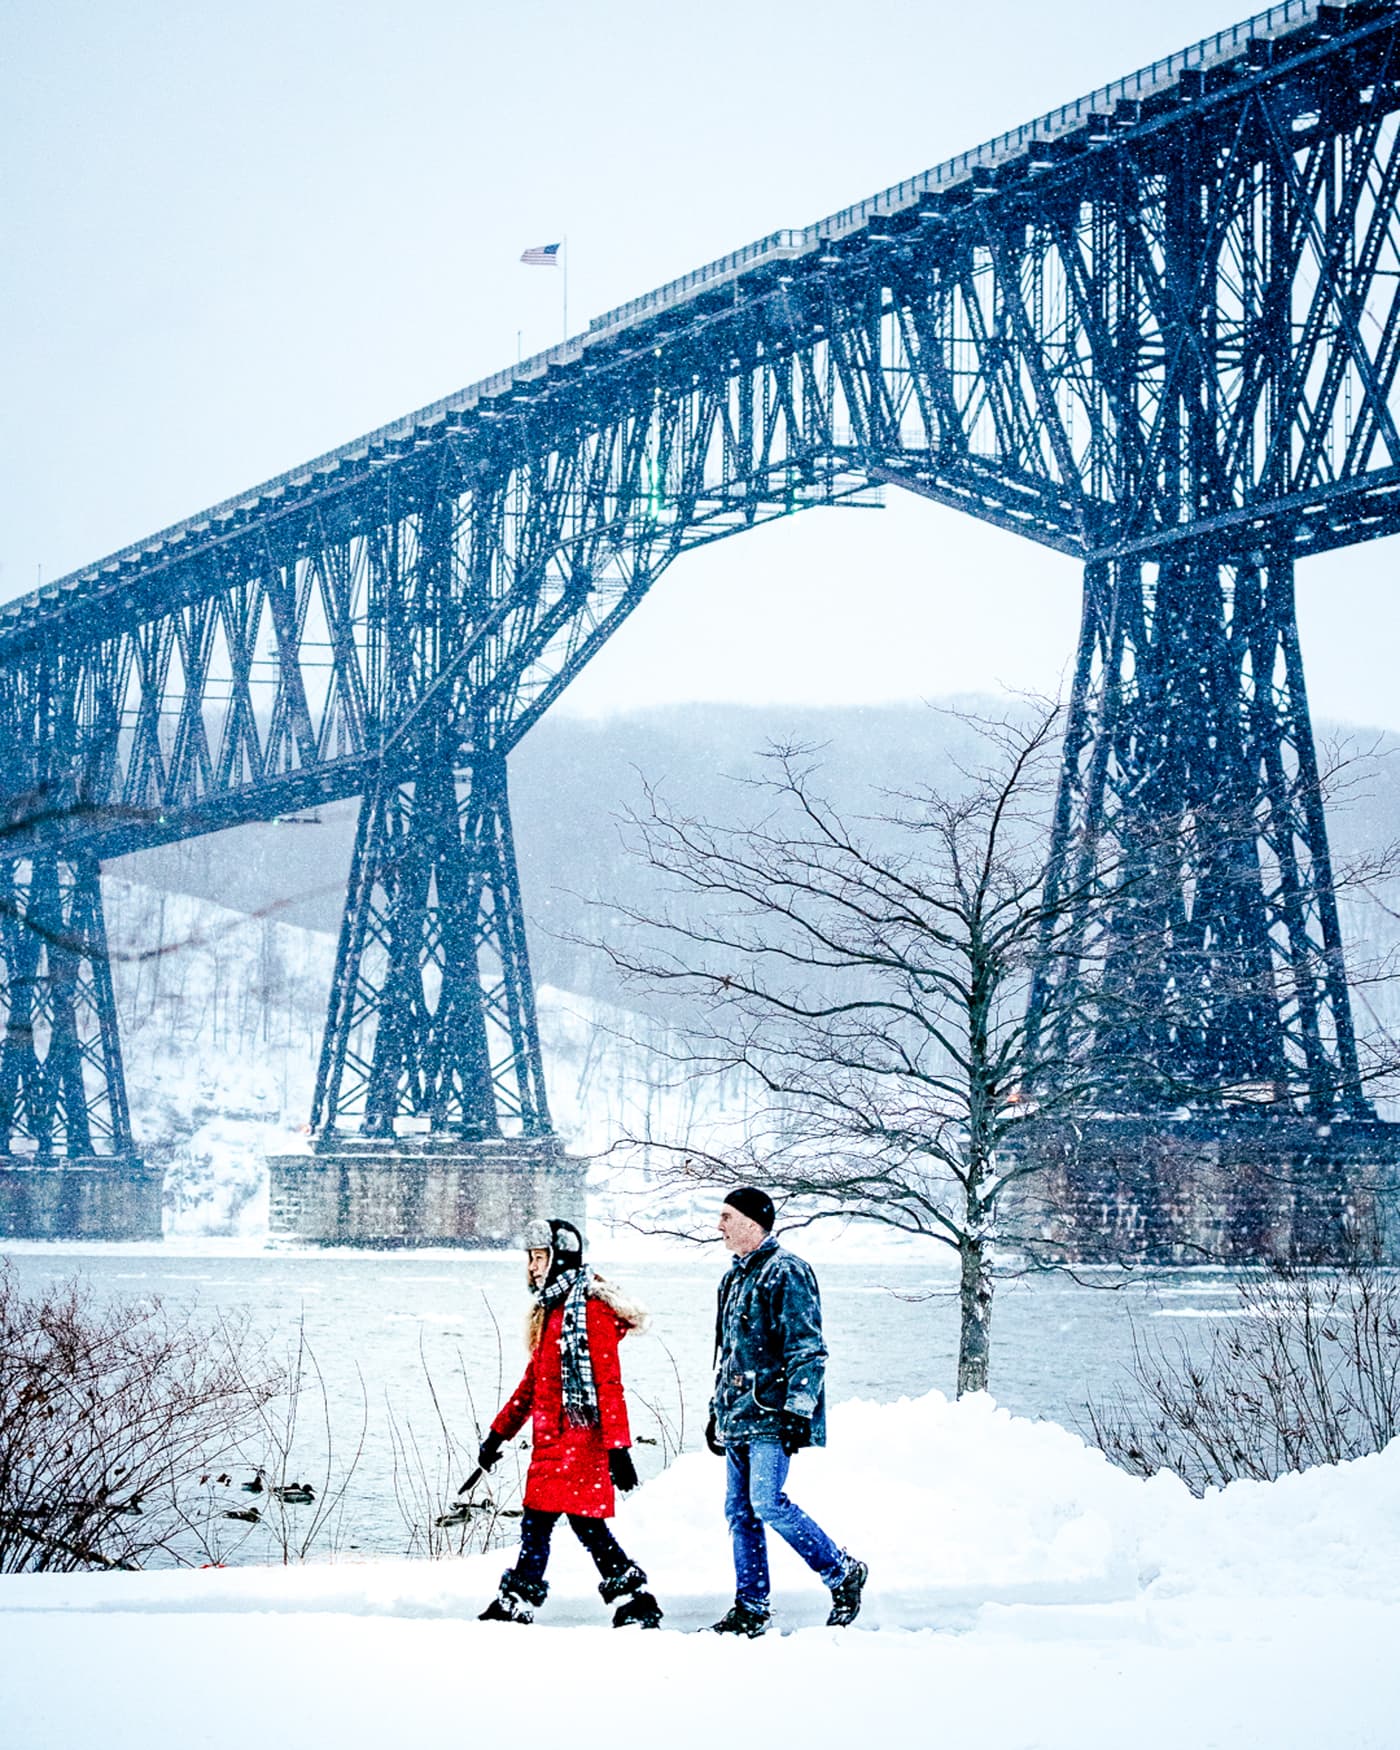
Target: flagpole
{"x":564,"y":251}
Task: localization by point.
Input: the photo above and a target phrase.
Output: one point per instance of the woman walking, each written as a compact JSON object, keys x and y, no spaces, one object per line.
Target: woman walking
{"x":572,"y":1393}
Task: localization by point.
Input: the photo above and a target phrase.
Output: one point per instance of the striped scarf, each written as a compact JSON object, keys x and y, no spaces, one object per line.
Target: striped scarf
{"x":570,"y":1290}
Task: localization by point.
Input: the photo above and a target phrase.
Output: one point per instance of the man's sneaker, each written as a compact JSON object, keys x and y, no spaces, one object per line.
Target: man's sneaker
{"x":845,"y":1595}
{"x":742,"y":1619}
{"x":641,"y":1610}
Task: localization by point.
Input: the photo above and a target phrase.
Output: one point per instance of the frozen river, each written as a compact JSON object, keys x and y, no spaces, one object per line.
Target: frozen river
{"x":377,"y":1324}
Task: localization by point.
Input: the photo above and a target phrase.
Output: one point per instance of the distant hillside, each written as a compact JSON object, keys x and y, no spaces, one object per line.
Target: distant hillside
{"x":221,"y":1035}
{"x":570,"y":779}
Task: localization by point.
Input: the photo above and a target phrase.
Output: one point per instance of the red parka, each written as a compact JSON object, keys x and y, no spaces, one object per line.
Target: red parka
{"x":569,"y":1466}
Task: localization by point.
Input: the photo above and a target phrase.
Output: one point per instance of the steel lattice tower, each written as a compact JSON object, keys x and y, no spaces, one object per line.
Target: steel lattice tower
{"x":1158,"y":330}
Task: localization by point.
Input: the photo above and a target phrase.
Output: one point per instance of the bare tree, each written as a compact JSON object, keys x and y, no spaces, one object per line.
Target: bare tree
{"x":872,"y":978}
{"x":927,"y":1014}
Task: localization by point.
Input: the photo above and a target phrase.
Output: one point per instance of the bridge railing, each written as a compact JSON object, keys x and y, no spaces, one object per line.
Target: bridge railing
{"x":1146,"y":82}
{"x":775,"y":244}
{"x":1211,"y":51}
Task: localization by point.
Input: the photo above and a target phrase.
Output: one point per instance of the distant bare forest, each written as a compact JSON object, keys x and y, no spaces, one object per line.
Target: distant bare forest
{"x":570,"y":779}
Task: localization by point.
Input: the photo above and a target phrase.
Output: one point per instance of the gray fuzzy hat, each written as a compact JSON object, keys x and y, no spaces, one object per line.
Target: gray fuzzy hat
{"x":561,"y":1239}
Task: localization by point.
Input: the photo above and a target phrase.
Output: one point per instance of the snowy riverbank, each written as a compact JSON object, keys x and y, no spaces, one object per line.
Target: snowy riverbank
{"x":1023,"y":1593}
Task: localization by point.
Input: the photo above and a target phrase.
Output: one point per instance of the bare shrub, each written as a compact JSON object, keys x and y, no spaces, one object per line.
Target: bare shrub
{"x":110,"y":1414}
{"x":1307,"y":1372}
{"x":439,"y":1517}
{"x":293,"y":1452}
{"x":667,"y":1419}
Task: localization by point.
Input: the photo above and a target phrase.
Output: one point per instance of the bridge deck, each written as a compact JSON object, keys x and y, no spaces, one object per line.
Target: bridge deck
{"x":1283,"y":19}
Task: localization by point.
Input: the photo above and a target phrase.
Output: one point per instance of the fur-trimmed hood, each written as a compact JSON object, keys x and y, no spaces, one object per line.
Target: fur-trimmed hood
{"x":632,"y":1313}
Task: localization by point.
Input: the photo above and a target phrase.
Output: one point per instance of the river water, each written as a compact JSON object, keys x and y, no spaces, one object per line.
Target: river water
{"x":390,"y":1332}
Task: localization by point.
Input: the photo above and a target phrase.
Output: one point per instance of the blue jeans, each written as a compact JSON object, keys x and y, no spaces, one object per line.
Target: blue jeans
{"x":753,"y":1499}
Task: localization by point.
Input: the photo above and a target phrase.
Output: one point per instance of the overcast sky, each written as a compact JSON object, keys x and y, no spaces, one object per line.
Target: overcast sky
{"x":235,"y":236}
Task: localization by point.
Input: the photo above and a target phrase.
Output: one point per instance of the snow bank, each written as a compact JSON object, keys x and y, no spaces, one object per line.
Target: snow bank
{"x":951,"y":1503}
{"x":1040,"y":1598}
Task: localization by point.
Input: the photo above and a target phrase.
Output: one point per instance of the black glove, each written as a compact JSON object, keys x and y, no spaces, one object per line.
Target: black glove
{"x":794,"y":1432}
{"x":621,"y":1469}
{"x":712,"y":1439}
{"x":490,"y":1450}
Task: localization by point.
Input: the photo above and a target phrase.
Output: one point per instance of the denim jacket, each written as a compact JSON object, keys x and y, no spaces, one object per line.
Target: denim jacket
{"x":769,"y":1353}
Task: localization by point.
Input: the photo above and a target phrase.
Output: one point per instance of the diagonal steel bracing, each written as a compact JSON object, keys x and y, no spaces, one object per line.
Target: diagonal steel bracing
{"x":1190,"y":775}
{"x":1158,"y":330}
{"x":62,"y":1091}
{"x":431,"y":1013}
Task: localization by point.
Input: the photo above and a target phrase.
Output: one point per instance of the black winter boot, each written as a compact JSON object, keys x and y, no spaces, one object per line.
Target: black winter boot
{"x":845,"y":1595}
{"x":616,"y":1586}
{"x":641,"y":1610}
{"x":742,"y":1619}
{"x":516,"y":1600}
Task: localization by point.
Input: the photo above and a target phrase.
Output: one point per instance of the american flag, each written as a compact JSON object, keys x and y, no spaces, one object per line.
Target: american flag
{"x":546,"y":257}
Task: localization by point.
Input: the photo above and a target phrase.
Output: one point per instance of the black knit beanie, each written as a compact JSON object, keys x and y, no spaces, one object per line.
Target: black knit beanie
{"x":756,"y":1204}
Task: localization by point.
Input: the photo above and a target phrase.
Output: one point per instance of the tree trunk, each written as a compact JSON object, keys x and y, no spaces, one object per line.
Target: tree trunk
{"x":975,"y":1308}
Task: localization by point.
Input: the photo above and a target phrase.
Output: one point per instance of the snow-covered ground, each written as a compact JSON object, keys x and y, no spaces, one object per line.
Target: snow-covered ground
{"x":1024,"y":1595}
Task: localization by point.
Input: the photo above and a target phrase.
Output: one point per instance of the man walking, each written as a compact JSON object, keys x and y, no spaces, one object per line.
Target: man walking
{"x":770,"y":1401}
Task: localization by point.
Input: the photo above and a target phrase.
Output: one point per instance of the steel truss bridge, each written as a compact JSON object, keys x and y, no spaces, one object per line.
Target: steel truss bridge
{"x":1158,"y":329}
